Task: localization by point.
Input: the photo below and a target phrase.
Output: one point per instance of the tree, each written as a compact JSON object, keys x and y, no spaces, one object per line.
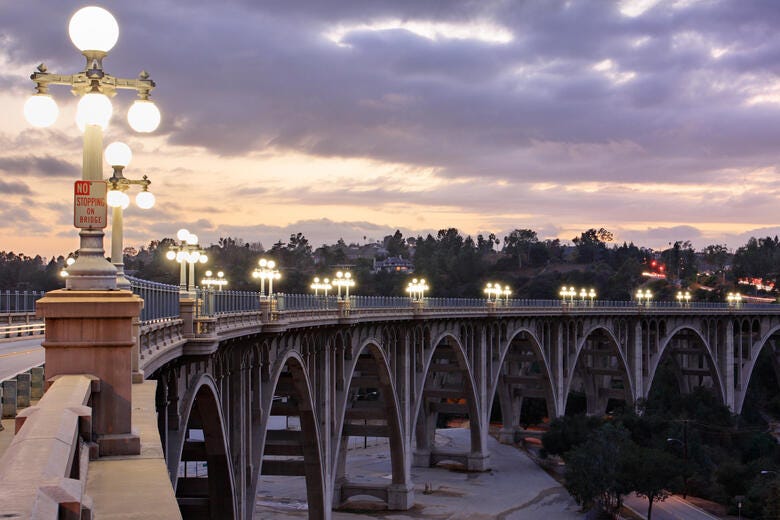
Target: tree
{"x":650,"y":472}
{"x":716,"y":255}
{"x":591,"y":244}
{"x":595,"y":469}
{"x":518,"y":244}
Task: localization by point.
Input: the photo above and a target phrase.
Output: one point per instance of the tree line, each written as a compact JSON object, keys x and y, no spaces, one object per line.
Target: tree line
{"x":454,"y":264}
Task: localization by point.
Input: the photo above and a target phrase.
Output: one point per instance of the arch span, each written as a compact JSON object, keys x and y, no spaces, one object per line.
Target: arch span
{"x":531,"y":383}
{"x":682,"y":369}
{"x":594,"y":377}
{"x":216,"y":497}
{"x":369,"y":407}
{"x":447,"y":380}
{"x":749,"y":366}
{"x":292,"y":452}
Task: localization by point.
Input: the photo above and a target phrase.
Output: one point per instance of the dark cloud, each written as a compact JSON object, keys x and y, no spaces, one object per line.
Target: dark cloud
{"x":44,"y":166}
{"x":14,"y":188}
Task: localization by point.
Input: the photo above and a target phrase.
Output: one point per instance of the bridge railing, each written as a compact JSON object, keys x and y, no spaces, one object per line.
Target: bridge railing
{"x":19,"y":301}
{"x":161,"y":301}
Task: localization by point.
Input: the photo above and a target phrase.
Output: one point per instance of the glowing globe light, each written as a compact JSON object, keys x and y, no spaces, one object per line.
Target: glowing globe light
{"x":144,"y":116}
{"x":94,"y":108}
{"x":41,"y":110}
{"x":145,"y":199}
{"x":170,"y":255}
{"x":192,"y":239}
{"x":114,"y":198}
{"x":182,"y":234}
{"x":118,"y":154}
{"x":93,"y":29}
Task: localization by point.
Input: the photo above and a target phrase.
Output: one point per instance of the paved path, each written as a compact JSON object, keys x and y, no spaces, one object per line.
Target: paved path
{"x":515,"y":489}
{"x":673,"y":508}
{"x":19,"y":356}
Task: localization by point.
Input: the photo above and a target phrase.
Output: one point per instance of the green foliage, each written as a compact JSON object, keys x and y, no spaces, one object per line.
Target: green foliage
{"x":567,"y":433}
{"x":595,"y":470}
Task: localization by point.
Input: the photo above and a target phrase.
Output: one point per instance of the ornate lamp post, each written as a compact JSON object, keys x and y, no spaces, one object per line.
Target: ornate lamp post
{"x":187,"y":252}
{"x":94,"y":31}
{"x":506,"y":292}
{"x":734,"y":299}
{"x":646,"y":295}
{"x":343,"y":279}
{"x":211,"y":281}
{"x":493,"y":291}
{"x":683,"y":298}
{"x":266,"y":270}
{"x":118,"y":155}
{"x":569,"y":292}
{"x":416,"y":289}
{"x":323,"y":285}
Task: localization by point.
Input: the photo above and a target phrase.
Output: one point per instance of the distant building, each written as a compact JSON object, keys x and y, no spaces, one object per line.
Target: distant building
{"x":393,"y":264}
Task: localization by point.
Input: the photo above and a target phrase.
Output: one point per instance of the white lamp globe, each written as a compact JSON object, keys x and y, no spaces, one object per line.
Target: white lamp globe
{"x":93,"y":29}
{"x":182,"y":234}
{"x":114,"y":198}
{"x":143,"y":116}
{"x":118,"y":154}
{"x":203,"y":259}
{"x":145,"y":199}
{"x":41,"y":110}
{"x":170,"y":255}
{"x":124,"y":201}
{"x":182,"y":256}
{"x":192,"y":239}
{"x":94,"y":108}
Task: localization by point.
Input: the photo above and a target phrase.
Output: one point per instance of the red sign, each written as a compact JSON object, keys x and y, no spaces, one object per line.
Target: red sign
{"x":89,"y":204}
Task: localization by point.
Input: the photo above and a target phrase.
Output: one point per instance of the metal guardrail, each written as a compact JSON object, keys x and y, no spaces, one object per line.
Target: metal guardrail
{"x":19,"y":301}
{"x":161,"y":301}
{"x":22,"y":329}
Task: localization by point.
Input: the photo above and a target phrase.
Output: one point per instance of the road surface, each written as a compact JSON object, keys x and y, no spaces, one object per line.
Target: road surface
{"x":20,"y":355}
{"x":673,"y":508}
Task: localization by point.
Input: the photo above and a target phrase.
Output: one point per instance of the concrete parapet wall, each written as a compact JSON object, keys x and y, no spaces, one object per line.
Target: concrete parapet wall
{"x":51,"y":445}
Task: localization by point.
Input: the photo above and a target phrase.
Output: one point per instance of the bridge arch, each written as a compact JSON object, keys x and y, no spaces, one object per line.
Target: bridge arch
{"x":202,"y":411}
{"x":282,"y":452}
{"x":503,"y":384}
{"x":370,"y":401}
{"x":667,"y":350}
{"x":452,"y":380}
{"x":594,"y":377}
{"x":749,"y":366}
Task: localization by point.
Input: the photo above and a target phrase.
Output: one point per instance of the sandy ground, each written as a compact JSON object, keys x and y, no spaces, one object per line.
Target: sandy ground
{"x":514,"y":489}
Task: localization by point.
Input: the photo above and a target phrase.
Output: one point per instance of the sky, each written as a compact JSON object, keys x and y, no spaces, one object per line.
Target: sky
{"x":656,"y":119}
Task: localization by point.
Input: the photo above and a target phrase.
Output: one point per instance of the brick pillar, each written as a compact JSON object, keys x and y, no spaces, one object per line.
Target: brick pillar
{"x":91,"y":332}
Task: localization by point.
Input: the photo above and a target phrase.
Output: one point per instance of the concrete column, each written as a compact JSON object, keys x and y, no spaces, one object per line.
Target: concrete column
{"x":91,"y":332}
{"x":36,"y":383}
{"x":639,"y":380}
{"x":236,"y":424}
{"x":727,"y":366}
{"x":480,"y":460}
{"x":265,"y":310}
{"x":560,"y":379}
{"x":23,"y":390}
{"x":9,"y":399}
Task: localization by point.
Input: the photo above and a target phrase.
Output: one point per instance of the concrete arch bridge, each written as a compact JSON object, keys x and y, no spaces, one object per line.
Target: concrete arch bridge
{"x":396,"y":370}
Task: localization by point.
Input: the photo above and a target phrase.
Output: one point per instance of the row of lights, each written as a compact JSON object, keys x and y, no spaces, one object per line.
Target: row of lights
{"x":571,"y":293}
{"x":343,"y":279}
{"x":494,"y":290}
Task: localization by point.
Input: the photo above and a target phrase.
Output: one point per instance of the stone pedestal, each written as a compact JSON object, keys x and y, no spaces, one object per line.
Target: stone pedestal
{"x":91,"y":332}
{"x":506,"y":436}
{"x":400,"y":497}
{"x":344,"y":307}
{"x":491,"y":306}
{"x":478,"y":462}
{"x":187,"y":315}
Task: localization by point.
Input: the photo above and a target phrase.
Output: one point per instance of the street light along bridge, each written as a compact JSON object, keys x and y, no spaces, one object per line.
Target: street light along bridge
{"x":226,"y":362}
